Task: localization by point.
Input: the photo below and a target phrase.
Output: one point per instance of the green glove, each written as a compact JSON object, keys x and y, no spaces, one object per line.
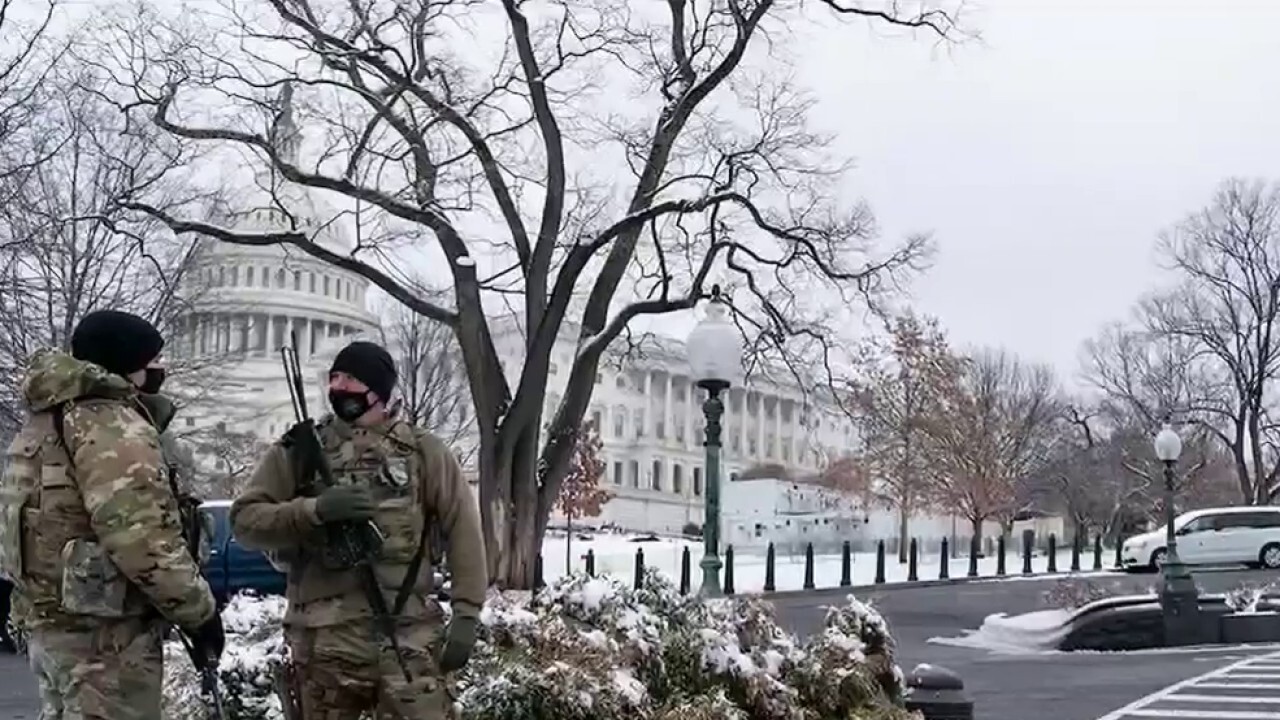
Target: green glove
{"x":345,"y":502}
{"x":460,"y":639}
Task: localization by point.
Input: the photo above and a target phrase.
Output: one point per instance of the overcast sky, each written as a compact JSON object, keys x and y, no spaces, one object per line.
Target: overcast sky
{"x":1048,"y":156}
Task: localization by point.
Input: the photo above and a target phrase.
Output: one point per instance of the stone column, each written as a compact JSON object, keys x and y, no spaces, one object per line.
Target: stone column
{"x":777,"y":428}
{"x":648,"y":403}
{"x":691,"y":419}
{"x":668,"y":414}
{"x":760,"y":424}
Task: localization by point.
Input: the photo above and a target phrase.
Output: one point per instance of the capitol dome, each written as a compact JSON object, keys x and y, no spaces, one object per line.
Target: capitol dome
{"x":245,"y":302}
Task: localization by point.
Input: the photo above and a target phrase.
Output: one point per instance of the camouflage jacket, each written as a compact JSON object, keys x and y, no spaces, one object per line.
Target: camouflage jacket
{"x":91,"y":528}
{"x":414,"y":478}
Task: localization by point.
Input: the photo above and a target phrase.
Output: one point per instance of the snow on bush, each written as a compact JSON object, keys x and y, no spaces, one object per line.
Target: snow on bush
{"x":1244,"y":598}
{"x":596,"y":649}
{"x":254,"y":655}
{"x":1075,"y":593}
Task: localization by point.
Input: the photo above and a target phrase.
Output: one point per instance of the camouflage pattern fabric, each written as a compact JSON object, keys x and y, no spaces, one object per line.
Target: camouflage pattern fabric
{"x":412,"y":477}
{"x":342,"y":673}
{"x":112,"y":672}
{"x":100,"y":544}
{"x":343,"y":667}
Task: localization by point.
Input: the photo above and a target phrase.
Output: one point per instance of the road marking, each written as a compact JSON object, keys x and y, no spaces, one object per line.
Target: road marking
{"x":1205,"y":715}
{"x":1156,"y":704}
{"x":1246,"y":699}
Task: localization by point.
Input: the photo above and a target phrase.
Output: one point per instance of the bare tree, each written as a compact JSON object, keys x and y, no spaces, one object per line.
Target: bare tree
{"x":993,"y":432}
{"x":901,"y":391}
{"x":433,"y":382}
{"x":497,"y":167}
{"x":1142,"y":379}
{"x":223,"y":459}
{"x":1227,"y":258}
{"x":70,"y":250}
{"x":28,"y":56}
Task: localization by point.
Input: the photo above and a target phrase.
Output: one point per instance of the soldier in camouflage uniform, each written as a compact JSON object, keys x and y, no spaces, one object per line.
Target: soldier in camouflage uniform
{"x":410,"y":484}
{"x":90,"y":532}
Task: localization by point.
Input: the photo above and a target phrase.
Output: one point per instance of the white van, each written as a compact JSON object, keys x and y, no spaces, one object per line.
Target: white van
{"x":1247,"y":535}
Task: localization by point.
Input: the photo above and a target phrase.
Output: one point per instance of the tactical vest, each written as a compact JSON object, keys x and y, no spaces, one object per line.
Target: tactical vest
{"x":48,"y":549}
{"x":391,"y":466}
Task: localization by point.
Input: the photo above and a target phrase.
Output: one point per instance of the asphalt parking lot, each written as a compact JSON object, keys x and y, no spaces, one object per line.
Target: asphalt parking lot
{"x":1057,"y":686}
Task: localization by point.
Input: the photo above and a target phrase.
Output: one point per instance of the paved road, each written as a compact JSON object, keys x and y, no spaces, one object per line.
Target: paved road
{"x":1015,"y":687}
{"x":18,"y":699}
{"x":1058,"y":686}
{"x":1247,"y":689}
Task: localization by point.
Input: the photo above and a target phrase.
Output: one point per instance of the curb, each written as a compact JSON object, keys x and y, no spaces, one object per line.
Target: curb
{"x":909,"y":585}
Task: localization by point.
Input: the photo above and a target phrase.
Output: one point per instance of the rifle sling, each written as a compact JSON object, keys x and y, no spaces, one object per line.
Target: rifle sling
{"x":307,"y":470}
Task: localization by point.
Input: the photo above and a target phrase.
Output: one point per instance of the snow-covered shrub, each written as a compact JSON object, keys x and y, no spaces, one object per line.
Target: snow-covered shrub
{"x":254,"y":655}
{"x":596,"y":649}
{"x":1244,"y":598}
{"x":1073,"y":593}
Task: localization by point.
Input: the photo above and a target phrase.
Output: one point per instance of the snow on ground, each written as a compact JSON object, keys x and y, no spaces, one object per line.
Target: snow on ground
{"x":1032,"y":632}
{"x":615,"y":555}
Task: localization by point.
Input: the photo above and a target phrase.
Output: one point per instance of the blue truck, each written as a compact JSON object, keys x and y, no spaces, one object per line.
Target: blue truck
{"x":230,"y":567}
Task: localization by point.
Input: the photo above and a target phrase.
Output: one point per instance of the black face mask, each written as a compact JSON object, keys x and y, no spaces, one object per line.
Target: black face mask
{"x":347,"y":405}
{"x":155,"y":378}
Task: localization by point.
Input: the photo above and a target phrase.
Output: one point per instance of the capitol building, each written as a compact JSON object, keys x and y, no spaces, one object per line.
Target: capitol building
{"x":246,"y":302}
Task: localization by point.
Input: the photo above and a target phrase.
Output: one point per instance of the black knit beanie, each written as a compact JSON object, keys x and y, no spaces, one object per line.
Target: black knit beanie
{"x":119,"y":341}
{"x":370,"y":364}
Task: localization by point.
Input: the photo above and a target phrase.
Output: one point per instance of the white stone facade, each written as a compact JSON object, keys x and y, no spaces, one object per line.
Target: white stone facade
{"x":650,"y":419}
{"x":254,"y":300}
{"x":790,"y":515}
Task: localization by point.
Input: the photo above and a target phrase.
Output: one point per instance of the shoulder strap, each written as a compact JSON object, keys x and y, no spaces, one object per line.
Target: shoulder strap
{"x":419,"y":554}
{"x":59,"y":413}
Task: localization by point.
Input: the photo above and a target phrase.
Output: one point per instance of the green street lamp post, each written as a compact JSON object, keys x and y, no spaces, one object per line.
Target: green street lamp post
{"x":715,"y":360}
{"x":1179,"y":597}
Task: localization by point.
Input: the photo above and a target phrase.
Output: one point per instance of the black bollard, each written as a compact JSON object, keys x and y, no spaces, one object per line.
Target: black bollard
{"x":769,"y":559}
{"x":686,"y":570}
{"x":846,"y":565}
{"x":1097,"y":551}
{"x":1075,"y":553}
{"x":728,"y":570}
{"x":944,"y":572}
{"x":1026,"y":552}
{"x":591,"y":562}
{"x":974,"y":545}
{"x":1119,"y":548}
{"x":639,"y":574}
{"x":1053,"y":553}
{"x":938,"y":694}
{"x":808,"y":566}
{"x":913,"y":560}
{"x":1000,"y":550}
{"x":880,"y":562}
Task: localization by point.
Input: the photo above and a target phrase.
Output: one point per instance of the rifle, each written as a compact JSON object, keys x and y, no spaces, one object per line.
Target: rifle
{"x":189,"y":511}
{"x":208,"y":675}
{"x":348,"y":545}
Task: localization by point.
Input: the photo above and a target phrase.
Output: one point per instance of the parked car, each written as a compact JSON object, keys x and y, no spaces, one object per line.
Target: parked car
{"x":229,"y":567}
{"x":1212,"y":536}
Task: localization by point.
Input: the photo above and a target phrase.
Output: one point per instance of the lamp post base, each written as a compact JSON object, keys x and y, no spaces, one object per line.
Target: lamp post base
{"x":711,"y":566}
{"x":1180,"y":602}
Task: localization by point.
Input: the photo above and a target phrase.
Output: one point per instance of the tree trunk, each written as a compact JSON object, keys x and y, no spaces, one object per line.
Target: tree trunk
{"x":975,"y":535}
{"x":904,"y":518}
